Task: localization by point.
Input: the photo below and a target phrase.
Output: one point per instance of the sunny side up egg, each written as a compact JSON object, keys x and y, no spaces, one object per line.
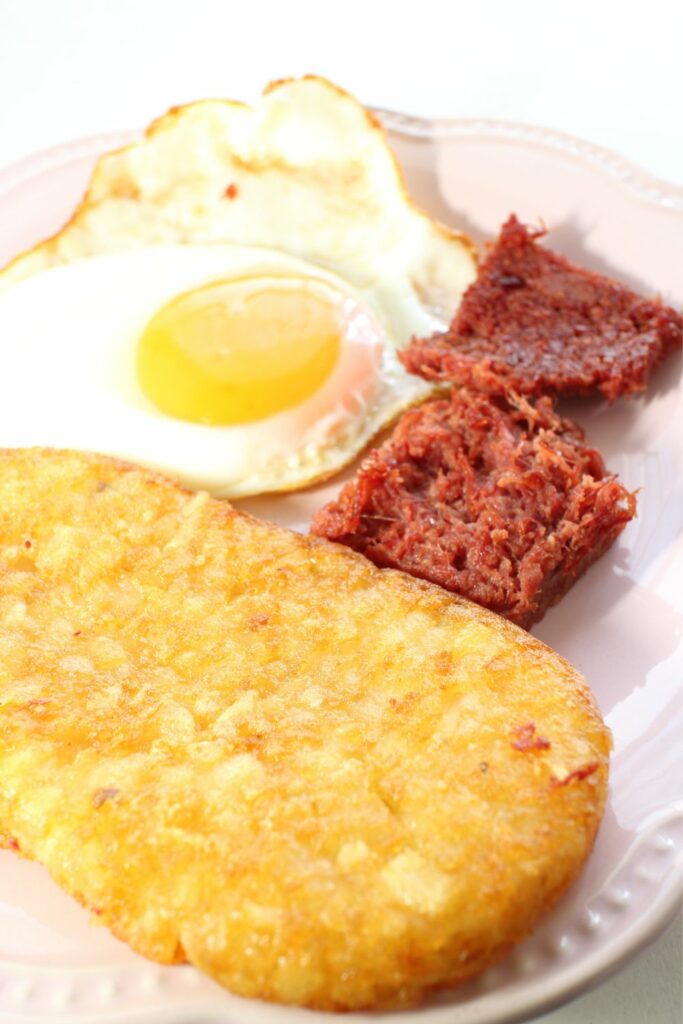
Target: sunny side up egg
{"x":235,"y":369}
{"x":225,"y":302}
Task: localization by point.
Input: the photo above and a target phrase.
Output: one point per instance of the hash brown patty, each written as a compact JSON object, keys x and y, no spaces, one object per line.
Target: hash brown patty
{"x":319,"y":782}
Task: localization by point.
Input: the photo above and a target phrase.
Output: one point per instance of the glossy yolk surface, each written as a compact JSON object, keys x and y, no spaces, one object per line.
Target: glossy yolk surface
{"x":235,"y":351}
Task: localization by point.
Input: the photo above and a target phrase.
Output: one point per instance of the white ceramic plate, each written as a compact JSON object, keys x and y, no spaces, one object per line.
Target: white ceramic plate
{"x":620,"y":624}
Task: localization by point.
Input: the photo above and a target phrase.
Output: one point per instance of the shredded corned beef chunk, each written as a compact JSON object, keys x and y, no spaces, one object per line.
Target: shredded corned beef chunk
{"x":534,"y":322}
{"x":492,"y":497}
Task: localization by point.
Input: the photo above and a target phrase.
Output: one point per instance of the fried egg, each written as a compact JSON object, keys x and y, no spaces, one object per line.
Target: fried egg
{"x":225,"y":303}
{"x":235,"y":369}
{"x":306,"y":170}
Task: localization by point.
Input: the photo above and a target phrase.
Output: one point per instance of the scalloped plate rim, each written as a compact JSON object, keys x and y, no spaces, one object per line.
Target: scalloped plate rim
{"x":630,"y":174}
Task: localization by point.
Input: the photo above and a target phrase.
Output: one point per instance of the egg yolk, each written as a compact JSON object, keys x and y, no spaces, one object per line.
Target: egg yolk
{"x":235,"y":351}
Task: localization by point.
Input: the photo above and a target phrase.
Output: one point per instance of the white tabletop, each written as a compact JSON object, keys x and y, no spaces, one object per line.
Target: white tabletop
{"x":85,"y":66}
{"x":606,"y":71}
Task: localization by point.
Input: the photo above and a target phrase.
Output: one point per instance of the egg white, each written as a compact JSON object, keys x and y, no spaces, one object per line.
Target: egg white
{"x":68,"y":375}
{"x":306,"y":171}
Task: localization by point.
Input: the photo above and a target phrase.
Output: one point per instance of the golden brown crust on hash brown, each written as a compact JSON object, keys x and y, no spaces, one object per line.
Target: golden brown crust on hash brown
{"x":320,"y":782}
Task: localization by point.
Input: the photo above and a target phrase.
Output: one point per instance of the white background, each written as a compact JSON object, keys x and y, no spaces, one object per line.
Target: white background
{"x":610,"y":71}
{"x":607,"y":71}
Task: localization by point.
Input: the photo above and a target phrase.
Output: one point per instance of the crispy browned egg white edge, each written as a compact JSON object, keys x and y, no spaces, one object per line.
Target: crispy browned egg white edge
{"x":161,"y":123}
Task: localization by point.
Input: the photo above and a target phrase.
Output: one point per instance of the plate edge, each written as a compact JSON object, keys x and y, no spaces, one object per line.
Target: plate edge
{"x":632,"y":177}
{"x":644,"y":185}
